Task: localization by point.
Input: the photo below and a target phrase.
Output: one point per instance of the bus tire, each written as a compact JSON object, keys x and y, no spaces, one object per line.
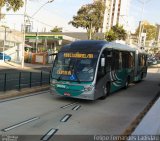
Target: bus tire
{"x":142,"y":76}
{"x":127,"y":82}
{"x":106,"y":91}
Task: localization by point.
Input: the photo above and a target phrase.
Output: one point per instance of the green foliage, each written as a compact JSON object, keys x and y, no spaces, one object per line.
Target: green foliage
{"x":116,"y":33}
{"x":151,"y":31}
{"x":11,"y":4}
{"x":90,"y":17}
{"x":56,"y":29}
{"x":110,"y":36}
{"x":154,"y":50}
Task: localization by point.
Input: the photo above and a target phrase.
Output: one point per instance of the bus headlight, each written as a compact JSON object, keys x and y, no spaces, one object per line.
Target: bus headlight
{"x":53,"y":83}
{"x":88,"y":88}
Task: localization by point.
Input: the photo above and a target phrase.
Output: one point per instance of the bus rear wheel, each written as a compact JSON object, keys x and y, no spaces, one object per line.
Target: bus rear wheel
{"x":106,"y":91}
{"x":127,"y":82}
{"x":142,"y":76}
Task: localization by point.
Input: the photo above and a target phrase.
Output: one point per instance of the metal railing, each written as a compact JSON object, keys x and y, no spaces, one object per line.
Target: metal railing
{"x":19,"y":80}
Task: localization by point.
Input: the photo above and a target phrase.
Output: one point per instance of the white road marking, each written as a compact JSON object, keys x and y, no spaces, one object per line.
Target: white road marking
{"x":49,"y":134}
{"x":76,"y":107}
{"x":65,"y":118}
{"x":20,"y":124}
{"x":68,"y":105}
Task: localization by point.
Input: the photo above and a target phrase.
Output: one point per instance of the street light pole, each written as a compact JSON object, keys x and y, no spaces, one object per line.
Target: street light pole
{"x":141,"y":22}
{"x":4,"y":42}
{"x":49,"y":1}
{"x":24,"y":32}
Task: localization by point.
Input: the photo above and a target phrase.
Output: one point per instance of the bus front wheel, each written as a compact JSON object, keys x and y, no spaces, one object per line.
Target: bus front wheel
{"x":106,"y":91}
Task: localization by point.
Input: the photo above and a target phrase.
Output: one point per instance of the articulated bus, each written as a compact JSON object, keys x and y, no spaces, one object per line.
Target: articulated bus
{"x":95,"y":69}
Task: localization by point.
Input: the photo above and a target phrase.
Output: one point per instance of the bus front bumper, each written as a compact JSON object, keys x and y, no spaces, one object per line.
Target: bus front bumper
{"x":85,"y":95}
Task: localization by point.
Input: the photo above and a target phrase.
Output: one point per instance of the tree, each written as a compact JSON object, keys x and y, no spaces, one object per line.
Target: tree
{"x":56,"y":29}
{"x":110,"y":35}
{"x":90,"y":17}
{"x":11,"y":4}
{"x":150,"y":30}
{"x":116,"y":33}
{"x":154,"y":50}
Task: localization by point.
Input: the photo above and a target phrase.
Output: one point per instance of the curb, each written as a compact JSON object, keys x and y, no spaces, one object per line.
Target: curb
{"x":22,"y":92}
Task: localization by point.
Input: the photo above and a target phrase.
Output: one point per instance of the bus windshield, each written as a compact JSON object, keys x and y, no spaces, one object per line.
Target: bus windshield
{"x":79,"y":67}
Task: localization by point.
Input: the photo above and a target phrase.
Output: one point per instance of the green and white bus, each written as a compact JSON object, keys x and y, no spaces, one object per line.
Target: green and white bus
{"x":94,"y":69}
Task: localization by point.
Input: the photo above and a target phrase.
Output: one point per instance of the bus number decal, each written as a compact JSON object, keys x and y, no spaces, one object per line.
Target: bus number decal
{"x":63,"y":72}
{"x":77,"y":55}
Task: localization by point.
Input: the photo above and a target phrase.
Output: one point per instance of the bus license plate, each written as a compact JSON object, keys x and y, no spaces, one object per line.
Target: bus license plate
{"x":67,"y":94}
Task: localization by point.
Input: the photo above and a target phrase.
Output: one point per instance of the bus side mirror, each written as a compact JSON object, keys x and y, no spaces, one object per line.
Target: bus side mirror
{"x":54,"y":56}
{"x":102,"y":62}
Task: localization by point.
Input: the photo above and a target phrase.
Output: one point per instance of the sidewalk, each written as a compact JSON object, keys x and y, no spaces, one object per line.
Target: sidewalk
{"x":27,"y":66}
{"x":22,"y":92}
{"x":150,"y":124}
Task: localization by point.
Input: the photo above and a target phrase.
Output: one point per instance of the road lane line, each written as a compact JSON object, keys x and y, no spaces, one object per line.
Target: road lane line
{"x":20,"y":124}
{"x":65,"y":118}
{"x":68,"y":105}
{"x":76,"y":107}
{"x":49,"y":134}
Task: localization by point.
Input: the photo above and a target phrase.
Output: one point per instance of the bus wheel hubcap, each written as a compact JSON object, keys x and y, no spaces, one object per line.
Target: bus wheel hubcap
{"x":105,"y":90}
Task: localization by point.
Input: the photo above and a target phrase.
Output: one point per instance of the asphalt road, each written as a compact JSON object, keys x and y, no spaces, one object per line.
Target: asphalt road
{"x":45,"y":115}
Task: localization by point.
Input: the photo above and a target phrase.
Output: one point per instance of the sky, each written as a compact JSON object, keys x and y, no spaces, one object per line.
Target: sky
{"x":151,"y":12}
{"x":60,"y":12}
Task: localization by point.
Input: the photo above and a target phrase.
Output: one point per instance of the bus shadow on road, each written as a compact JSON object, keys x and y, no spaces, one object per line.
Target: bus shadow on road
{"x":74,"y":100}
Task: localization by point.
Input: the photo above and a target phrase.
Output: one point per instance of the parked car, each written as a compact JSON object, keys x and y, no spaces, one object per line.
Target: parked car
{"x":152,"y":61}
{"x":6,"y":57}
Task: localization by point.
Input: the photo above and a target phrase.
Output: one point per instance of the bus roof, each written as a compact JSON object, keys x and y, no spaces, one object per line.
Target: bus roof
{"x":96,"y":46}
{"x":84,"y":45}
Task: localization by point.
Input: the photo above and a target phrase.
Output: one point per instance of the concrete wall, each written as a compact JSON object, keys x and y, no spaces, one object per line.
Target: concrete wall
{"x":13,"y":41}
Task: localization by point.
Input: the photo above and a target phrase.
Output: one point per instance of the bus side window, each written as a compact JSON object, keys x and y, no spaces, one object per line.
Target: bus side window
{"x":142,"y":60}
{"x":109,"y":61}
{"x":124,"y":60}
{"x":145,"y":60}
{"x":115,"y":65}
{"x":131,"y":60}
{"x":101,"y":69}
{"x":120,"y":60}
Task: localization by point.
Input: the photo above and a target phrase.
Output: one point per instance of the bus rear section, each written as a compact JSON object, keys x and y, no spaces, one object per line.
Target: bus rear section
{"x":141,"y":65}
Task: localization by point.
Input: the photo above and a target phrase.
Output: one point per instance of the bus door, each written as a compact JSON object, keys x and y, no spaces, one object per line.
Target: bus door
{"x":103,"y":72}
{"x":118,"y":73}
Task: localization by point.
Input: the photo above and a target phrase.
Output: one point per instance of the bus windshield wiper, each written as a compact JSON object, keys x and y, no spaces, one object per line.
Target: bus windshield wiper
{"x":76,"y":72}
{"x":59,"y":78}
{"x":78,"y":80}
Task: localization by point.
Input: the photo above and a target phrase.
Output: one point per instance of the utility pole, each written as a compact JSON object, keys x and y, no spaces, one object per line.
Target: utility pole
{"x":140,"y":25}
